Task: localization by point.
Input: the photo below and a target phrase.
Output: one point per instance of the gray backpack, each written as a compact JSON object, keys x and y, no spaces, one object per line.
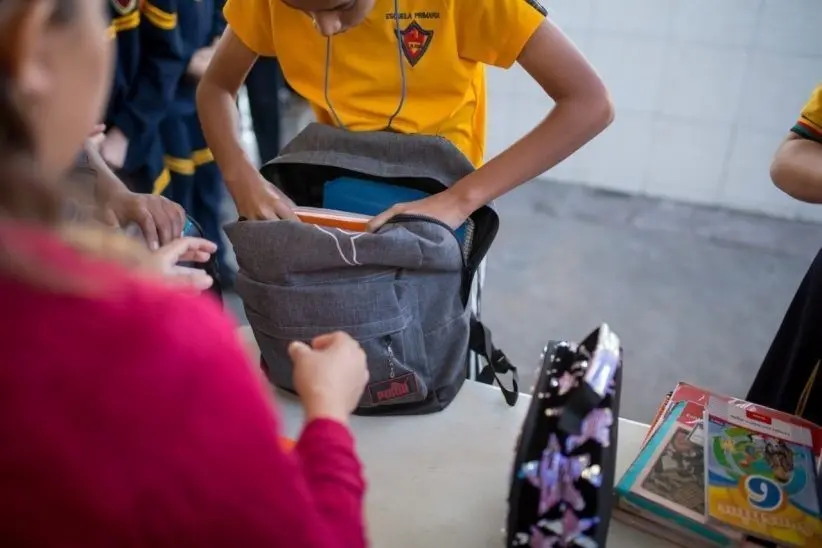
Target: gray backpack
{"x":402,"y":292}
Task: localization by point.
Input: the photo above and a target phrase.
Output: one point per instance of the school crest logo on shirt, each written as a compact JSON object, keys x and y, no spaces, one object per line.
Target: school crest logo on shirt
{"x":124,"y":7}
{"x":415,"y":41}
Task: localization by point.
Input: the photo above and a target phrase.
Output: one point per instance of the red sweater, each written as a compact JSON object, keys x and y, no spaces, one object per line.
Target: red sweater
{"x":133,"y":417}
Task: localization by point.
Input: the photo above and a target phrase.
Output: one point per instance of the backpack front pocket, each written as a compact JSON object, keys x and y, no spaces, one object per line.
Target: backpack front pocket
{"x":380,"y":313}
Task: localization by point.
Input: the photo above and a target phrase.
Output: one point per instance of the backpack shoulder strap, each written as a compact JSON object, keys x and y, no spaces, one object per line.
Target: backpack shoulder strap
{"x":498,"y":364}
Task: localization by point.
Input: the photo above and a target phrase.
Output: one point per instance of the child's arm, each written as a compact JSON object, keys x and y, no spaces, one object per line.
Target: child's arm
{"x":161,"y":66}
{"x":247,"y":37}
{"x":582,"y":109}
{"x":500,"y":32}
{"x":797,"y":165}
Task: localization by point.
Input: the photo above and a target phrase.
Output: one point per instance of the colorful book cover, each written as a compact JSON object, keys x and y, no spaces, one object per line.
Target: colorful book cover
{"x":760,"y":475}
{"x":666,"y":482}
{"x":692,"y":393}
{"x":661,"y":412}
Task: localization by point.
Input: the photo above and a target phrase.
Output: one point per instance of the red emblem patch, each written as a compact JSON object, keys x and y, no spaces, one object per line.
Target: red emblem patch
{"x":393,"y":389}
{"x":124,"y":7}
{"x":415,"y":41}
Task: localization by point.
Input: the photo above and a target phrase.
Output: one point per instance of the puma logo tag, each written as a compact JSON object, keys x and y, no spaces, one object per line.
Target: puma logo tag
{"x":393,"y":389}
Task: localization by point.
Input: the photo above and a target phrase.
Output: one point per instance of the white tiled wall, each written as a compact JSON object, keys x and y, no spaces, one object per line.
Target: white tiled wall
{"x":704,"y":91}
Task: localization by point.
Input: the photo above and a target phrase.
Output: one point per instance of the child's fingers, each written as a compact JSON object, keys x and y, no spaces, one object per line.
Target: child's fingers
{"x":190,"y":277}
{"x":98,"y":129}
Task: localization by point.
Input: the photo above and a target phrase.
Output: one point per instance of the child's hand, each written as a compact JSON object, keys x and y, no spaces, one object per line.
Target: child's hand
{"x":160,"y":220}
{"x":165,"y":261}
{"x":446,"y":207}
{"x":96,"y":137}
{"x":261,"y":201}
{"x":114,"y":147}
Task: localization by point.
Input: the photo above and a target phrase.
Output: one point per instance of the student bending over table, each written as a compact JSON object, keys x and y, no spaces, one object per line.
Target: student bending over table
{"x":789,"y":378}
{"x":129,"y":412}
{"x":413,"y":67}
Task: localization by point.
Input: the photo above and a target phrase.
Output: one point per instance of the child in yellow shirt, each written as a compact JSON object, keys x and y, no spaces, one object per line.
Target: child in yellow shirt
{"x":410,"y":66}
{"x":789,"y":378}
{"x":797,"y":165}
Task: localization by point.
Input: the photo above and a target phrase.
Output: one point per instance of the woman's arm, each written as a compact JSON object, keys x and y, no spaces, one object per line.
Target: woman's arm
{"x":159,"y":432}
{"x":221,"y":443}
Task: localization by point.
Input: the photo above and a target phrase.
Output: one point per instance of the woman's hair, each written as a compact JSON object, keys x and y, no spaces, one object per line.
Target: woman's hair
{"x":23,"y":194}
{"x":26,"y":196}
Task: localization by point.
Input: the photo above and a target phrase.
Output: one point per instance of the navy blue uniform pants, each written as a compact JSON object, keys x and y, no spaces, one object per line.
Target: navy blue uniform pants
{"x":195,"y":183}
{"x":145,"y":171}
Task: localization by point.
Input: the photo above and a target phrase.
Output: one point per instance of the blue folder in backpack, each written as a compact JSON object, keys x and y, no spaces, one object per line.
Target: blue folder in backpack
{"x":371,"y":197}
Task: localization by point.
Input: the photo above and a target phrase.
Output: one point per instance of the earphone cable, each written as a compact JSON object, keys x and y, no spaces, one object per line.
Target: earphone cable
{"x":327,"y":77}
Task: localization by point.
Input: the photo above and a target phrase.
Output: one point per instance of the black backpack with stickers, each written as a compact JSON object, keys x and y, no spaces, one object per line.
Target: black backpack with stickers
{"x":563,"y":475}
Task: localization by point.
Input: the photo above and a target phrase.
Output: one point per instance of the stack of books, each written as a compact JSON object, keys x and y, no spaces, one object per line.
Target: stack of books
{"x":718,"y":471}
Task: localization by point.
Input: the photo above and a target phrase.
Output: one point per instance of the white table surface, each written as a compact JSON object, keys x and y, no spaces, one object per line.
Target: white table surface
{"x":442,"y":479}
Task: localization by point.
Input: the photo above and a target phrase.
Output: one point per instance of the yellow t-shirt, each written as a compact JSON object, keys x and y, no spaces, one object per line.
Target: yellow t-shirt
{"x":809,"y":124}
{"x":444,"y":44}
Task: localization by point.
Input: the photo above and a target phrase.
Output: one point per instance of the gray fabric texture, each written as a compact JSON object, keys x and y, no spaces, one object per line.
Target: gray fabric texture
{"x":397,"y":292}
{"x":381,"y":154}
{"x":400,"y":292}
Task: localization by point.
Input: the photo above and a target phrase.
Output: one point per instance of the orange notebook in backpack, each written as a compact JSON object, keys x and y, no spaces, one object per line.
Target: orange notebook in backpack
{"x":333,"y":218}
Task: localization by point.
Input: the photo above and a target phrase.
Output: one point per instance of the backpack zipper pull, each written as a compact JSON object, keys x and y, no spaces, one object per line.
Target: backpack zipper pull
{"x":390,"y":352}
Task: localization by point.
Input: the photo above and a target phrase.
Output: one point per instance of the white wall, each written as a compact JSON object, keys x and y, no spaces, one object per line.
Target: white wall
{"x":704,"y":92}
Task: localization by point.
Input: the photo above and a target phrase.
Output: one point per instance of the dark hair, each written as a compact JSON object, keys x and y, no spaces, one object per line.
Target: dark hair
{"x":25,"y":195}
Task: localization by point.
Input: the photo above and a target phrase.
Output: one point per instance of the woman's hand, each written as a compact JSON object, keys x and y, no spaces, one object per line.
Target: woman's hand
{"x":330,"y":375}
{"x":165,"y":261}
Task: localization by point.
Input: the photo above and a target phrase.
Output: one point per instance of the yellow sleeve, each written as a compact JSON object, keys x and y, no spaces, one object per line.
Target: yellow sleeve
{"x":809,"y":124}
{"x":495,"y":32}
{"x":252,"y":21}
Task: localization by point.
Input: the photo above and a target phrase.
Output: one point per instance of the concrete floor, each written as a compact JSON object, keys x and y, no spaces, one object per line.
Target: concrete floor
{"x":694,"y":293}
